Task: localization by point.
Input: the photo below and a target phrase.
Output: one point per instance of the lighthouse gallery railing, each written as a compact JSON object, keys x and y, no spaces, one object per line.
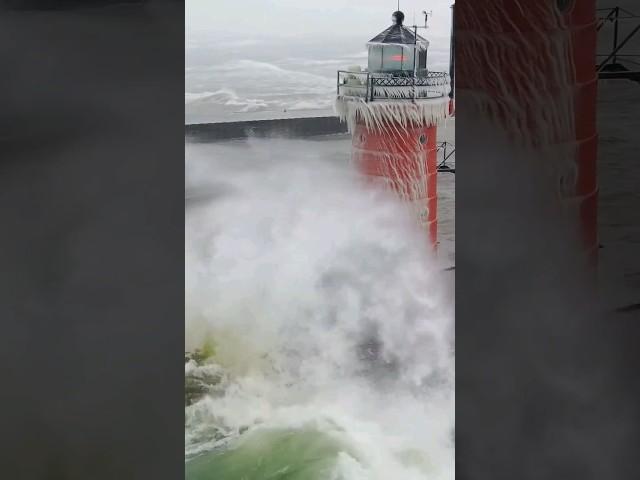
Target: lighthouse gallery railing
{"x":371,"y":87}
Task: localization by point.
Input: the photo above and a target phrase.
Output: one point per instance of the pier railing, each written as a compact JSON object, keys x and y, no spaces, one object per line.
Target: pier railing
{"x":379,"y":86}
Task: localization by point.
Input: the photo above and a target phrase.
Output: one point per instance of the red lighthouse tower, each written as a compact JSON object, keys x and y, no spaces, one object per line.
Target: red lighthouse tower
{"x":393,"y":108}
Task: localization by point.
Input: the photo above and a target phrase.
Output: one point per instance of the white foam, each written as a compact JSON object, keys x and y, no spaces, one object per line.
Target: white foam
{"x":297,"y":273}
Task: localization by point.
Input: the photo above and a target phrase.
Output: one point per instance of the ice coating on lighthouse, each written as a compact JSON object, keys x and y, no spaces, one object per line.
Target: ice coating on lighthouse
{"x":392,"y":109}
{"x":536,"y":80}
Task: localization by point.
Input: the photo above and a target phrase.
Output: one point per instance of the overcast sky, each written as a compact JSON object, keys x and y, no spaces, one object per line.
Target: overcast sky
{"x":336,"y":18}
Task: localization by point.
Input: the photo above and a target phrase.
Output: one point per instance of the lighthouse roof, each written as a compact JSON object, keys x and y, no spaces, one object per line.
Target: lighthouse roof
{"x":399,"y":35}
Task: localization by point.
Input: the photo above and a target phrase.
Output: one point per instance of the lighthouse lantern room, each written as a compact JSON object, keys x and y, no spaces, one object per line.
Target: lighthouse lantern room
{"x":398,"y":50}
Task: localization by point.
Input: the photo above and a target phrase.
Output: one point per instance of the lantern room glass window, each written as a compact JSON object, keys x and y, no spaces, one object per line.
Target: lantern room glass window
{"x":375,"y":59}
{"x":422,"y":60}
{"x":391,"y":58}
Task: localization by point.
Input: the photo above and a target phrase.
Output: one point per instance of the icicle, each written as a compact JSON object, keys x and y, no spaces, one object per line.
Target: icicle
{"x":381,"y":114}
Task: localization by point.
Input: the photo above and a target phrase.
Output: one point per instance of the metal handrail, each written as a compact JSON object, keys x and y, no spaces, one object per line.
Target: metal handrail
{"x":424,"y":81}
{"x":367,"y":84}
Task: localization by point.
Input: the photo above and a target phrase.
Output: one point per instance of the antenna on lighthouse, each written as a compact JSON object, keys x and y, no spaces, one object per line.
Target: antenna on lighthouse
{"x":426,"y":16}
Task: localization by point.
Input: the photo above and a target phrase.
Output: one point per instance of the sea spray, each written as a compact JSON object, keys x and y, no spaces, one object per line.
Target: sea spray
{"x":331,"y":323}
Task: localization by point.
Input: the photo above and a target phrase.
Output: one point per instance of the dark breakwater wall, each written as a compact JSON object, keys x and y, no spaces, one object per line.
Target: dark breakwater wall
{"x":286,"y":127}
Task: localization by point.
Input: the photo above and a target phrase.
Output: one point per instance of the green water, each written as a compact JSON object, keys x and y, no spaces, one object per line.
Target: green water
{"x":270,"y":455}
